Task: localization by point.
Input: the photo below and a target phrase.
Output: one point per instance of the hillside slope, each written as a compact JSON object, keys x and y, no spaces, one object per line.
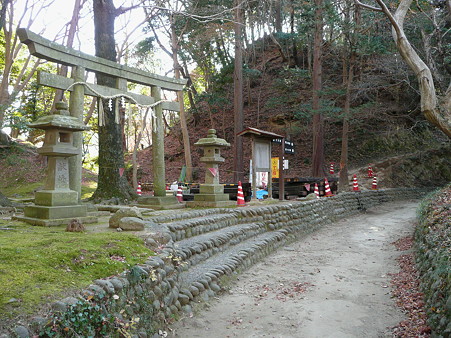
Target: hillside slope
{"x":386,"y":129}
{"x":386,"y":121}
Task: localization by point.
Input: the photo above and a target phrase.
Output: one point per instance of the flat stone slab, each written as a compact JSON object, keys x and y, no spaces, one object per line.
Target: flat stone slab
{"x":210,"y":204}
{"x":57,"y":212}
{"x":114,"y":208}
{"x":157,"y":200}
{"x":161,"y":206}
{"x":55,"y":222}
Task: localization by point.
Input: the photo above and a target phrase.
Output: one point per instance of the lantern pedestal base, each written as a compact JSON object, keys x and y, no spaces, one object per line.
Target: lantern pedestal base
{"x":56,"y":215}
{"x":56,"y":212}
{"x":212,"y":196}
{"x":159,"y":202}
{"x":55,"y":222}
{"x":56,"y":198}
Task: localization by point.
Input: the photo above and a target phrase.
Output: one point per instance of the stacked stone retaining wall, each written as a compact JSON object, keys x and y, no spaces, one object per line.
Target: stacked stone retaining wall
{"x":196,"y":251}
{"x":433,"y":252}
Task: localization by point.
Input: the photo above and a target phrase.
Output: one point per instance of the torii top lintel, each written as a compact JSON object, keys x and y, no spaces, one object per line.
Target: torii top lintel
{"x":51,"y":51}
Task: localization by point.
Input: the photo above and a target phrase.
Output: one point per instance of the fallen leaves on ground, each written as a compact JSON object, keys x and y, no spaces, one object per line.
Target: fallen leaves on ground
{"x":406,"y":290}
{"x":282,"y":291}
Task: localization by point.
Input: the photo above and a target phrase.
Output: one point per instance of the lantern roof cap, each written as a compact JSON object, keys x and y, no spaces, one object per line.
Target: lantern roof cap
{"x":60,"y":119}
{"x":212,"y":140}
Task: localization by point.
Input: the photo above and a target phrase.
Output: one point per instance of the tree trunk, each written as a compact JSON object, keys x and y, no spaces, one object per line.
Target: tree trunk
{"x":436,"y":112}
{"x":348,"y":75}
{"x":318,"y":120}
{"x":3,"y":12}
{"x":4,"y":201}
{"x":111,"y":158}
{"x":348,"y":78}
{"x":430,"y":108}
{"x":182,"y":114}
{"x":278,"y":15}
{"x":238,"y":165}
{"x":296,"y":58}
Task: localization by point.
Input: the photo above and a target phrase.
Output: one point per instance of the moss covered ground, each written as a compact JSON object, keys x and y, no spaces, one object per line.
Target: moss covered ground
{"x":42,"y":264}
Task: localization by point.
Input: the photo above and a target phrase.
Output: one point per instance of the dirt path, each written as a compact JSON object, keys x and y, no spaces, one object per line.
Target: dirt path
{"x":333,"y":283}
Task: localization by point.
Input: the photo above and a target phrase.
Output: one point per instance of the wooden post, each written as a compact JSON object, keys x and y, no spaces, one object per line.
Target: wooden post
{"x":281,"y":174}
{"x":158,"y":146}
{"x":76,"y":109}
{"x":269,"y":187}
{"x":254,"y":170}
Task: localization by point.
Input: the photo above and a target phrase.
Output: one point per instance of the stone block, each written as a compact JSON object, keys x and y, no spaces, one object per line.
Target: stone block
{"x":211,"y":197}
{"x":157,"y":200}
{"x":56,"y":197}
{"x":211,"y":189}
{"x":211,"y":204}
{"x":55,"y":212}
{"x":131,"y":224}
{"x":55,"y":222}
{"x":114,"y":221}
{"x":160,"y":202}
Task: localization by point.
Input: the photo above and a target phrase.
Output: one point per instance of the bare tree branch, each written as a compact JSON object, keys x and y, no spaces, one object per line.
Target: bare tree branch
{"x":202,"y":18}
{"x":436,"y":112}
{"x":361,"y":4}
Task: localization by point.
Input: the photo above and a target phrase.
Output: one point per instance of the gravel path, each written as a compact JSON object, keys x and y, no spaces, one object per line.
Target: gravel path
{"x":332,"y":283}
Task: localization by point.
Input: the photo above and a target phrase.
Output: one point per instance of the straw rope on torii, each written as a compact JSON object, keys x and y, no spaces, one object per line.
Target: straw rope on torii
{"x":78,"y":88}
{"x":113,"y":97}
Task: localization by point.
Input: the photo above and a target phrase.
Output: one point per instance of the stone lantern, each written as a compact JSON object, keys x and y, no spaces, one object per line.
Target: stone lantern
{"x":211,"y":194}
{"x":56,"y":200}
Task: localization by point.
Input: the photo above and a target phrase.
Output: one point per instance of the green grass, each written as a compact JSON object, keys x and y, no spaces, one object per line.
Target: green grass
{"x":38,"y":264}
{"x":88,"y":189}
{"x":25,"y":190}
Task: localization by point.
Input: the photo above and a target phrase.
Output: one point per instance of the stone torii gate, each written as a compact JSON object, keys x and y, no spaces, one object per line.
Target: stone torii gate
{"x":80,"y":63}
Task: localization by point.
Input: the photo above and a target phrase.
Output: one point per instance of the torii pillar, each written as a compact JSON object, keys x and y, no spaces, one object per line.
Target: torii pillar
{"x":159,"y":200}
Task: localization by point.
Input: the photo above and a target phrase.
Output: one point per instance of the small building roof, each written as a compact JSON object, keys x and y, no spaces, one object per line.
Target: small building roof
{"x":260,"y":133}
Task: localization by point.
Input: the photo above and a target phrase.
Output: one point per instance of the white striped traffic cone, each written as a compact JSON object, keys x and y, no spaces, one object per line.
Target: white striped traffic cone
{"x":332,"y":169}
{"x":374,"y":185}
{"x":316,"y":190}
{"x":240,"y":196}
{"x":355,"y":184}
{"x":327,"y":191}
{"x":138,"y":189}
{"x":180,"y":194}
{"x":370,"y":171}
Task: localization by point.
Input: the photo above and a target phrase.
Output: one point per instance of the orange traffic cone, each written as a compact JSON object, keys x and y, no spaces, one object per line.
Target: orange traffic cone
{"x":355,"y":184}
{"x":240,"y":196}
{"x":327,"y":191}
{"x":332,"y":169}
{"x":316,"y":190}
{"x":374,"y":186}
{"x":370,"y":171}
{"x":138,"y":189}
{"x":180,"y":194}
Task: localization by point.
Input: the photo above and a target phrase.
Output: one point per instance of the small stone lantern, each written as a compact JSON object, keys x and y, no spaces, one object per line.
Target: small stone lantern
{"x":211,"y":194}
{"x":57,"y":200}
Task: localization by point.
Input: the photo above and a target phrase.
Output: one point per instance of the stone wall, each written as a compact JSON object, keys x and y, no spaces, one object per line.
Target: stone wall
{"x":433,"y":249}
{"x":144,"y":299}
